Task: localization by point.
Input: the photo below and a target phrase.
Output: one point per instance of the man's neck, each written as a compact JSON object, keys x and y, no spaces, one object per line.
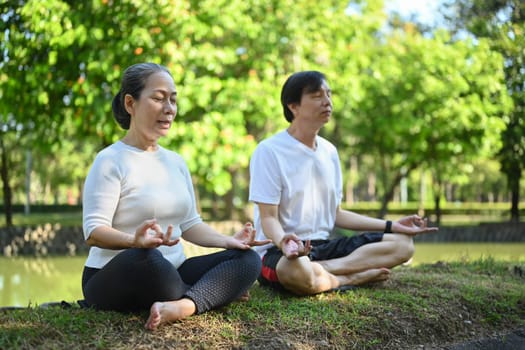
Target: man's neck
{"x":304,"y":135}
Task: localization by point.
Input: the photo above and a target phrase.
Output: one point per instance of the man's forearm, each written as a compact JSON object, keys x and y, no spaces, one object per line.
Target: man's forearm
{"x":273,"y":230}
{"x":353,"y":221}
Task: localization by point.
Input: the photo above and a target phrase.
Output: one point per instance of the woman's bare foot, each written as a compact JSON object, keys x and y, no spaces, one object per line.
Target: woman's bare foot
{"x":163,"y":312}
{"x":368,"y":276}
{"x":155,"y":317}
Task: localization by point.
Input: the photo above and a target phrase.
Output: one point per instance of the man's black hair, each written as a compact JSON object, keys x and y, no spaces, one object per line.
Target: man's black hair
{"x":296,"y":85}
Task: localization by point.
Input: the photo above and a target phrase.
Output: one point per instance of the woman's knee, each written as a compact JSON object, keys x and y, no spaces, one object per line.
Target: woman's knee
{"x":246,"y":261}
{"x":138,"y":254}
{"x":148,"y":262}
{"x":250,"y":258}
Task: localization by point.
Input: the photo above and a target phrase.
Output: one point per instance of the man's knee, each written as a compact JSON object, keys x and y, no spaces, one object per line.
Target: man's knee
{"x":302,"y":287}
{"x":406,"y":249}
{"x":301,"y":281}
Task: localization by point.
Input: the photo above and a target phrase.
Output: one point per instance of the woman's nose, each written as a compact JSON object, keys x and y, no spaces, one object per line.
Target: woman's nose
{"x":170,"y":107}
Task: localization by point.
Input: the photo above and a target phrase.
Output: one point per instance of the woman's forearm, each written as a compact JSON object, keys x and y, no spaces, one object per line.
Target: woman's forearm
{"x":109,"y":238}
{"x":204,"y":235}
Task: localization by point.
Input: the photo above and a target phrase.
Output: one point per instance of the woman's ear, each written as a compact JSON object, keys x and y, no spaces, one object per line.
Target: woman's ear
{"x":129,"y":103}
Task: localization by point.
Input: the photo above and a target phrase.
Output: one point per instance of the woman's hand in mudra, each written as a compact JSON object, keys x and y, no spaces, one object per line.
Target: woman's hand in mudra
{"x":150,"y":235}
{"x":247,"y":236}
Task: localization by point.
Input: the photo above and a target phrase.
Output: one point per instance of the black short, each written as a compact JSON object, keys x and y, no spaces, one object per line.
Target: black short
{"x":321,"y":250}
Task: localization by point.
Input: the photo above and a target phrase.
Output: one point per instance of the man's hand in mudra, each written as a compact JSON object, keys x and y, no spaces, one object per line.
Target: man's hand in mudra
{"x":292,"y":247}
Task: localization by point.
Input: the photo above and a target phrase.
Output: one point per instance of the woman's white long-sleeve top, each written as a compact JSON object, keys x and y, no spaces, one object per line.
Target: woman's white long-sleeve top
{"x":126,"y":186}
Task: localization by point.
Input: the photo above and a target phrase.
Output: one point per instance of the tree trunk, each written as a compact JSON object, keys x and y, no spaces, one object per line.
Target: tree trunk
{"x":229,"y":205}
{"x":8,"y":208}
{"x":437,"y":208}
{"x":351,"y":180}
{"x":437,"y":189}
{"x":29,"y":162}
{"x":389,"y":194}
{"x":386,"y":199}
{"x":422,"y":195}
{"x":514,"y":184}
{"x":371,"y":188}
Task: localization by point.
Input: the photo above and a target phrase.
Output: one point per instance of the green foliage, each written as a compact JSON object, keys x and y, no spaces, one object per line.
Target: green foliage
{"x":401,"y":101}
{"x":441,"y":99}
{"x":503,"y":24}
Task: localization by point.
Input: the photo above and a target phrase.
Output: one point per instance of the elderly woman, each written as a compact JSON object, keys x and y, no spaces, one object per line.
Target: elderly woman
{"x":138,"y":201}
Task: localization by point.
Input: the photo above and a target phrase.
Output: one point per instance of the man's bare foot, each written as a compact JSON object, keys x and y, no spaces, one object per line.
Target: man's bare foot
{"x":368,"y":276}
{"x":382,"y":276}
{"x":163,"y":312}
{"x":244,"y":297}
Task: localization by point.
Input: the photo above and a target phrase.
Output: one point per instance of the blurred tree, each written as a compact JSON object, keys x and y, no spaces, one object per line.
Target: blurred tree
{"x":25,"y":80}
{"x":429,"y":103}
{"x":503,"y":22}
{"x":62,"y":61}
{"x":484,"y":183}
{"x":237,"y":55}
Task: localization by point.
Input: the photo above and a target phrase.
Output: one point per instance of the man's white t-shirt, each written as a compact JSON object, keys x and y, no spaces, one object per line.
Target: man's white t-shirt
{"x":126,"y":186}
{"x":306,"y":184}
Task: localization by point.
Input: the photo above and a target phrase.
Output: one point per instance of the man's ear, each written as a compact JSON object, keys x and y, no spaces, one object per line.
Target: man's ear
{"x":129,"y":103}
{"x":293,"y":107}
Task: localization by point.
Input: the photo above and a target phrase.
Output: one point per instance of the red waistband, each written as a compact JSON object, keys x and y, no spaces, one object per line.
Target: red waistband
{"x":268,"y":273}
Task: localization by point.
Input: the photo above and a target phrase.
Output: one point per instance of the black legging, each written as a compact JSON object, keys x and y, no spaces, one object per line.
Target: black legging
{"x":136,"y":278}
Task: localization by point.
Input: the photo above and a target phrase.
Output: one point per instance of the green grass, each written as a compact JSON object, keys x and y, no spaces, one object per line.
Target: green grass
{"x":427,"y":305}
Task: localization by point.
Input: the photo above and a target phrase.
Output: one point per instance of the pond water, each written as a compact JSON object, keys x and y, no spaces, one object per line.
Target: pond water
{"x":34,"y":281}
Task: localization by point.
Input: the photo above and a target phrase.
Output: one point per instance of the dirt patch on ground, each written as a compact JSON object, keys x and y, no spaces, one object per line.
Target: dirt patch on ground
{"x":513,"y":340}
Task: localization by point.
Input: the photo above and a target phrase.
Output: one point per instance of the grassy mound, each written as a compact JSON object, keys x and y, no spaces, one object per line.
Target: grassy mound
{"x":429,"y":306}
